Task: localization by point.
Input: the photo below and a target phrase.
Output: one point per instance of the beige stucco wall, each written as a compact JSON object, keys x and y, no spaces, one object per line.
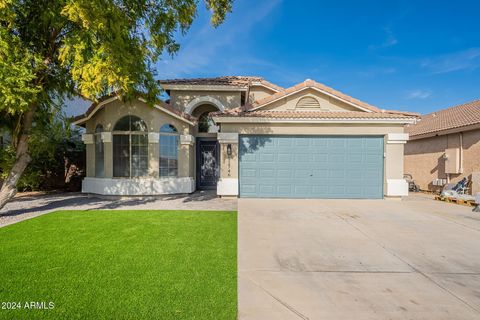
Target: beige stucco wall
{"x":424,"y":158}
{"x":311,"y":128}
{"x":326,"y":102}
{"x":154,"y":118}
{"x":393,"y":165}
{"x":228,"y":165}
{"x":258,"y":92}
{"x":180,"y":99}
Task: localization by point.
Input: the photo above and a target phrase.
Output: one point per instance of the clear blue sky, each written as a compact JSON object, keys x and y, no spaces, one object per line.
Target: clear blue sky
{"x":407,"y":55}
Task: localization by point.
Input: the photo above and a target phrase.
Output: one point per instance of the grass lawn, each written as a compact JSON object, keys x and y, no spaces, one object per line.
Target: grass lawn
{"x":121,"y":265}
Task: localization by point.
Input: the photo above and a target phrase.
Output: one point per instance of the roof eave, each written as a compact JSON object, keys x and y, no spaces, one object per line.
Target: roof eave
{"x":431,"y":134}
{"x":236,"y":119}
{"x":83,"y":119}
{"x":201,"y":87}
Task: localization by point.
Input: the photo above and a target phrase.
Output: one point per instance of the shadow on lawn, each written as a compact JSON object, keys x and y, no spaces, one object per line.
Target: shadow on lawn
{"x":79,"y":201}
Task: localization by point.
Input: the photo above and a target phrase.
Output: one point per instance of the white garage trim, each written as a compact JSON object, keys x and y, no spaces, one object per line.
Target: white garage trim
{"x":227,"y":187}
{"x":397,"y":138}
{"x":397,"y":188}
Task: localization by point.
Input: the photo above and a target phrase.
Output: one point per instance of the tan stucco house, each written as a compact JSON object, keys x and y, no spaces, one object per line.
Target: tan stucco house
{"x":244,"y":136}
{"x":444,"y":147}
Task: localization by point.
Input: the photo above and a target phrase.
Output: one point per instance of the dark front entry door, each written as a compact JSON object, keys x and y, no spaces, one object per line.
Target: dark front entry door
{"x":207,"y":164}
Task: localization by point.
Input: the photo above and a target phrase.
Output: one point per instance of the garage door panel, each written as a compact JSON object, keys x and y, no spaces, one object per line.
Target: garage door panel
{"x":302,"y":173}
{"x":302,"y":157}
{"x":266,"y":173}
{"x":311,"y":166}
{"x":285,"y":157}
{"x":245,"y":173}
{"x":284,"y":190}
{"x":302,"y":190}
{"x":267,"y":157}
{"x":286,"y":173}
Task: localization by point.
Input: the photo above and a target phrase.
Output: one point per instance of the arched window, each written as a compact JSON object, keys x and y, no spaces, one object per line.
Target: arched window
{"x":99,"y":154}
{"x":168,"y":151}
{"x":130,"y":147}
{"x":206,"y":124}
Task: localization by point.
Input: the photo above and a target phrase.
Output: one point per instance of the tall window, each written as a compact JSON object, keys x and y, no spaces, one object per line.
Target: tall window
{"x":168,"y":151}
{"x":99,"y":154}
{"x":130,"y":147}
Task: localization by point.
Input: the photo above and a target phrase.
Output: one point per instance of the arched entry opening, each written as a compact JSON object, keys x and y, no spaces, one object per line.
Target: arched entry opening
{"x":205,"y":122}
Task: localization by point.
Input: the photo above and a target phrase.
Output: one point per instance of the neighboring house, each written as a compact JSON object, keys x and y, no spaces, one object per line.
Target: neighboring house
{"x":244,"y":136}
{"x":444,"y":147}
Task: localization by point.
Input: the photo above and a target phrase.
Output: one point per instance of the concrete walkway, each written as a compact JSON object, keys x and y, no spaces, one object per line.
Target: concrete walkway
{"x":32,"y":205}
{"x":341,"y":259}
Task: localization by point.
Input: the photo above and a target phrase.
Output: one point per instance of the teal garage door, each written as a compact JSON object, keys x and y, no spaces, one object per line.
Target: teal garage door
{"x":342,"y":167}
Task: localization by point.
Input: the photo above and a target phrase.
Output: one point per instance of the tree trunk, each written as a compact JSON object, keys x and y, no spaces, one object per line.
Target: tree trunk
{"x":9,"y":187}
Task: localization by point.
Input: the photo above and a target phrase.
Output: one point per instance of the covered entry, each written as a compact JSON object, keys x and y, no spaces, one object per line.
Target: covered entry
{"x":348,"y":167}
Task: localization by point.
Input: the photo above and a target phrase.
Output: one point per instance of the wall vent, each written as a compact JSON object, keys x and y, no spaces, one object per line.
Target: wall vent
{"x":308,"y":102}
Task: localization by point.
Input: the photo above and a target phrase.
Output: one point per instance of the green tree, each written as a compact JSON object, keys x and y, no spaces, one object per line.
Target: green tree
{"x":56,"y":48}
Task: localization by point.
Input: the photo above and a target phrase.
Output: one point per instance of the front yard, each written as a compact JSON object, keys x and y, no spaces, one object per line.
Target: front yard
{"x":120,"y":265}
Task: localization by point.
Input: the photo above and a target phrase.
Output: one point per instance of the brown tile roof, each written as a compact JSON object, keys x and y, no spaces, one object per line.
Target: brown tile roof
{"x":254,"y":110}
{"x":451,"y":118}
{"x":116,"y":94}
{"x":235,"y":81}
{"x":292,"y":114}
{"x":313,"y":84}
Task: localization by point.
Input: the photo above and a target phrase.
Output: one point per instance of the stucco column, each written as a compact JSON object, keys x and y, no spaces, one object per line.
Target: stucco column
{"x":88,"y":140}
{"x":107,"y":154}
{"x":228,"y":183}
{"x":153,"y":154}
{"x":395,"y":185}
{"x":186,"y":156}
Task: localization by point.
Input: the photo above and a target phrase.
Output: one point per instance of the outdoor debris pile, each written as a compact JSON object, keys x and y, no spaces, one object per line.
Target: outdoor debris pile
{"x":459,"y":193}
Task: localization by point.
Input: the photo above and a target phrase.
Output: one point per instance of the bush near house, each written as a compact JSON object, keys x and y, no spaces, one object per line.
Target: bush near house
{"x":58,"y":158}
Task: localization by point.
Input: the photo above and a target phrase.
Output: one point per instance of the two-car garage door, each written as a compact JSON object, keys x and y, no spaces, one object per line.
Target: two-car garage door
{"x":345,"y":167}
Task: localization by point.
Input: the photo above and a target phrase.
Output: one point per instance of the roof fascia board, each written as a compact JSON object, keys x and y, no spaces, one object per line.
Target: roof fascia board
{"x":445,"y":132}
{"x":317,"y":89}
{"x":190,"y":87}
{"x":339,"y":120}
{"x":259,"y":84}
{"x":173,"y":114}
{"x":80,"y":121}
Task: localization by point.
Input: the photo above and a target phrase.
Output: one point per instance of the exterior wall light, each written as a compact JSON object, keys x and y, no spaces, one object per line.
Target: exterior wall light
{"x":229,"y":150}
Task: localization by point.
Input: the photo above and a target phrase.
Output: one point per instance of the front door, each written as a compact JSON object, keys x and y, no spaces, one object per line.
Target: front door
{"x":207,"y":164}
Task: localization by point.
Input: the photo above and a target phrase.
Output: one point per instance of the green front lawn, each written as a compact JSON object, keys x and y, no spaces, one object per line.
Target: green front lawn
{"x":121,"y":265}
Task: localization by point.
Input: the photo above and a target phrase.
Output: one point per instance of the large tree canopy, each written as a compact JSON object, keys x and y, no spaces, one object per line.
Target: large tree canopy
{"x":55,"y":48}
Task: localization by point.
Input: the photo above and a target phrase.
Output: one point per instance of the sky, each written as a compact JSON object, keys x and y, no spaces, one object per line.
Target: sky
{"x":418,"y":56}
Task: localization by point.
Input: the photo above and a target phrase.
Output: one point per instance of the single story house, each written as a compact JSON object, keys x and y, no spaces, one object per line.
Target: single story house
{"x":244,"y":136}
{"x":444,"y":147}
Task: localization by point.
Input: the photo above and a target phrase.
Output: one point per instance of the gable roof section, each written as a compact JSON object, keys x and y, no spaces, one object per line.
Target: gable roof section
{"x":310,"y":84}
{"x":365,"y":111}
{"x":456,"y":117}
{"x":229,"y":81}
{"x":160,"y":105}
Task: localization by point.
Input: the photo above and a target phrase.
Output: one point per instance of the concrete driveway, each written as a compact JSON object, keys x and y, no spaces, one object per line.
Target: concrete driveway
{"x":365,"y":259}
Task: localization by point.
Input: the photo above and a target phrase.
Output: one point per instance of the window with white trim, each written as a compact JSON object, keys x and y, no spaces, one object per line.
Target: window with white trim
{"x":130,"y":147}
{"x":168,"y":151}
